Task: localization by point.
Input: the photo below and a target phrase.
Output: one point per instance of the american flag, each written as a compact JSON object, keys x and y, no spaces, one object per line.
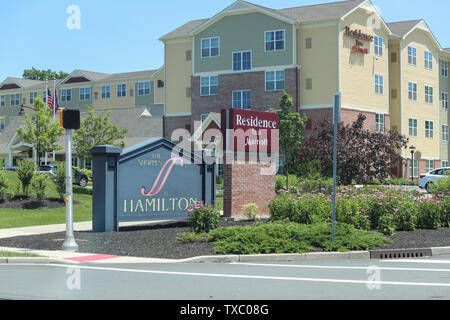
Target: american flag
{"x":50,"y":100}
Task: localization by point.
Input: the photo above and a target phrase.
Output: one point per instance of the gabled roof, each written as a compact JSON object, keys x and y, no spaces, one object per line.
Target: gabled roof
{"x":21,"y":82}
{"x":325,"y":11}
{"x":404,"y":28}
{"x":184,"y":30}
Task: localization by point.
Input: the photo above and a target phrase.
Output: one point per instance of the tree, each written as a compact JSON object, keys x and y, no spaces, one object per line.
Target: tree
{"x":96,"y":130}
{"x":362,"y":155}
{"x":292,"y":125}
{"x":40,"y":130}
{"x":35,"y":74}
{"x":25,"y":173}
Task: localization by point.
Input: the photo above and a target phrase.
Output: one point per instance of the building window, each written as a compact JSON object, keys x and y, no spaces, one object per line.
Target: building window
{"x":378,"y":46}
{"x":428,"y":60}
{"x":242,"y":100}
{"x":379,"y":84}
{"x":85,"y":94}
{"x":66,"y":95}
{"x":203,"y":117}
{"x":414,"y":165}
{"x":444,"y":100}
{"x":445,"y":132}
{"x":210,"y":47}
{"x":242,"y":60}
{"x":429,"y":165}
{"x":444,"y":69}
{"x":412,"y":56}
{"x":379,"y":121}
{"x":309,"y":84}
{"x":209,"y":86}
{"x":412,"y":91}
{"x":2,"y":101}
{"x":144,"y":88}
{"x":15,"y":100}
{"x":274,"y":40}
{"x":121,"y":90}
{"x":33,"y":95}
{"x":274,"y":80}
{"x":308,"y":43}
{"x":412,"y":127}
{"x":106,"y":92}
{"x":2,"y":124}
{"x":429,"y":129}
{"x":429,"y":94}
{"x":444,"y":163}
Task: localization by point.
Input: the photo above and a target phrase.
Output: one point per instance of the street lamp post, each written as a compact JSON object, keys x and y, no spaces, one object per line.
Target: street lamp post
{"x":412,"y":148}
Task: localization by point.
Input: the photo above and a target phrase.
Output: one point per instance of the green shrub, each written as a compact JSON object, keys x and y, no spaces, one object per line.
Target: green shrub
{"x":289,"y":237}
{"x":4,"y":185}
{"x":429,"y":214}
{"x":251,"y":211}
{"x":88,"y":172}
{"x":203,"y":218}
{"x":280,"y":182}
{"x":320,"y":185}
{"x":60,"y":180}
{"x":25,"y":173}
{"x":442,"y":188}
{"x":219,"y":180}
{"x":39,"y":185}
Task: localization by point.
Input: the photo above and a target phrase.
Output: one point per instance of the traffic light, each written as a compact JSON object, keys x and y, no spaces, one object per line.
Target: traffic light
{"x":69,"y":119}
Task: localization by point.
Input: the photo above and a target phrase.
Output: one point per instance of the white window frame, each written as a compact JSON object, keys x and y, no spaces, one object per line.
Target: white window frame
{"x":429,"y":133}
{"x":429,"y":98}
{"x":207,"y":82}
{"x":14,"y":98}
{"x":241,"y":60}
{"x":33,"y":95}
{"x":142,"y":92}
{"x":444,"y":68}
{"x":413,"y":130}
{"x":86,"y":95}
{"x":209,"y":47}
{"x":444,"y":100}
{"x":444,"y":164}
{"x":121,"y":90}
{"x":412,"y":92}
{"x":3,"y":101}
{"x":106,"y":94}
{"x":66,"y":95}
{"x":278,"y":79}
{"x":379,"y":84}
{"x":414,"y":168}
{"x":241,"y":98}
{"x":412,"y":56}
{"x":378,"y":46}
{"x":274,"y":40}
{"x":444,"y":135}
{"x":429,"y":165}
{"x":380,"y":125}
{"x":428,"y":60}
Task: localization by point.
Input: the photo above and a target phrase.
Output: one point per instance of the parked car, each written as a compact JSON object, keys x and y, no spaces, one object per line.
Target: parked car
{"x":10,"y":168}
{"x":78,"y":177}
{"x":428,"y":179}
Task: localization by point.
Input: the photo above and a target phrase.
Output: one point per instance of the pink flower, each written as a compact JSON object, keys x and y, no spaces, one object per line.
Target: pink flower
{"x":396,"y":209}
{"x":190,"y":210}
{"x":380,"y":203}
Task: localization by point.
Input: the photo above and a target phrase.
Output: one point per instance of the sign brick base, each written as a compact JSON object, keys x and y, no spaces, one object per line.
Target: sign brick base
{"x":244,"y":184}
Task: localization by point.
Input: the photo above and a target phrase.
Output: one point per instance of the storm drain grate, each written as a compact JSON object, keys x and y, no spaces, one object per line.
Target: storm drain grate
{"x":400,"y":253}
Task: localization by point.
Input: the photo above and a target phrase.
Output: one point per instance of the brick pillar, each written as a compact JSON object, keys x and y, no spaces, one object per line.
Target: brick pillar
{"x":244,"y":184}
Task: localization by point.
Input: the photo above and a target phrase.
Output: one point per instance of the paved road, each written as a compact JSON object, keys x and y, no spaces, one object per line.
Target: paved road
{"x":427,"y":278}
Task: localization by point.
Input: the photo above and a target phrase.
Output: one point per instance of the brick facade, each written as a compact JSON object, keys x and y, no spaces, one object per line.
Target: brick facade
{"x":244,"y":184}
{"x":173,"y":123}
{"x":255,"y":81}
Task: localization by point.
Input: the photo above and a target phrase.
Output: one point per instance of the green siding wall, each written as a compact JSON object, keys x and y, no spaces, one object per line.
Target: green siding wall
{"x":240,"y":33}
{"x":444,"y":86}
{"x":8,"y":110}
{"x":76,"y":103}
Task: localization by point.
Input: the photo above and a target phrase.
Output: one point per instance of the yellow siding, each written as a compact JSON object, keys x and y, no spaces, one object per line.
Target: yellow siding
{"x":358,"y":70}
{"x":319,"y":64}
{"x":178,"y":76}
{"x":419,"y":109}
{"x":394,"y":83}
{"x":114,"y":101}
{"x":159,"y":92}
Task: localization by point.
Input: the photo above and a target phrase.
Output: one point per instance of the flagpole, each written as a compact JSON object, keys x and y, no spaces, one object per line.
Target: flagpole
{"x":54,"y":111}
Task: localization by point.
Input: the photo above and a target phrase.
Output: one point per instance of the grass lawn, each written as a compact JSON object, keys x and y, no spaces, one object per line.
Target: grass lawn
{"x":17,"y":255}
{"x":16,"y":218}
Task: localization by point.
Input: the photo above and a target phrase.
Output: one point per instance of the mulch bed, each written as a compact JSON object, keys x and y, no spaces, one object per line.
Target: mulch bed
{"x":31,"y":203}
{"x":160,"y":241}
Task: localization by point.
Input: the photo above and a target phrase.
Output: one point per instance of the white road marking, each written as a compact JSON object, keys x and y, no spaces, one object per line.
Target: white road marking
{"x":240,"y":276}
{"x":337,"y":267}
{"x":418,"y":261}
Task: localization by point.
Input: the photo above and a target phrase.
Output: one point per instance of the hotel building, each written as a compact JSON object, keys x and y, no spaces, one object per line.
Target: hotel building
{"x":246,"y":55}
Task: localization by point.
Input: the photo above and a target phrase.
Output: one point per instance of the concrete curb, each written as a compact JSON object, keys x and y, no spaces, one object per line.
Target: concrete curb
{"x":33,"y":260}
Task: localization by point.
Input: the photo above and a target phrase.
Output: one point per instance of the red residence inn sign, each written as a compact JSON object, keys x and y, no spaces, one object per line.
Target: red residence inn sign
{"x":250,"y":131}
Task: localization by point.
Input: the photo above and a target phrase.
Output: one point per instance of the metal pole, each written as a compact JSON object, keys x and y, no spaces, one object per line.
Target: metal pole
{"x":336,"y":116}
{"x":69,"y":243}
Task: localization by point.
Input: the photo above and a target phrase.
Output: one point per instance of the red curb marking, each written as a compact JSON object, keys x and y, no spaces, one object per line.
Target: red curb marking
{"x":96,"y":257}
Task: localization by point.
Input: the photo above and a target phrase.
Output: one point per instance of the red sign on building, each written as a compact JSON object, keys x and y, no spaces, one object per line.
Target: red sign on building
{"x":251,"y":131}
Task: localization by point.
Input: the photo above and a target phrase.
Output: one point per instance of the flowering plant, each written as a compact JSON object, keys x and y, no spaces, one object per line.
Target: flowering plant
{"x":203,"y":217}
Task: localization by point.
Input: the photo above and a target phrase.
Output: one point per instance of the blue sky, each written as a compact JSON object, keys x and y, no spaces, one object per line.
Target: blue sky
{"x":122,"y":36}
